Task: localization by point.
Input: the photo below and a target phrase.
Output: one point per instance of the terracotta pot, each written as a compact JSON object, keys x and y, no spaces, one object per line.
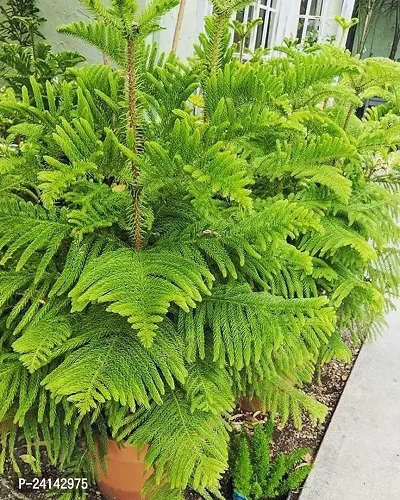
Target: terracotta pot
{"x":126,"y":473}
{"x":252,"y":405}
{"x":6,"y":425}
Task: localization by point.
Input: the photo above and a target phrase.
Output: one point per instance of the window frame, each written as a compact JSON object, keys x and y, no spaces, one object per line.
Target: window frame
{"x":287,"y":18}
{"x":270,"y":12}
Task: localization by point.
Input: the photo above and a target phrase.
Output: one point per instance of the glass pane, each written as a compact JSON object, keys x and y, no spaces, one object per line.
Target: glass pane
{"x":251,"y":13}
{"x":300,"y":27}
{"x":271,"y":24}
{"x":250,"y":16}
{"x":312,"y":27}
{"x":270,"y":4}
{"x":316,"y":8}
{"x":328,"y":30}
{"x":240,"y":15}
{"x":303,"y":7}
{"x":260,"y":29}
{"x":333,"y":8}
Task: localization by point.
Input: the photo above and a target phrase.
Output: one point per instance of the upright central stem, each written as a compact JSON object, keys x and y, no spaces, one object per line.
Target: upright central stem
{"x":33,"y":43}
{"x":216,"y":50}
{"x":133,"y":125}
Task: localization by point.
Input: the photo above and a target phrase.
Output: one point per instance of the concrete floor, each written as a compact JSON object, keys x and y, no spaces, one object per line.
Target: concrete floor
{"x":359,"y":458}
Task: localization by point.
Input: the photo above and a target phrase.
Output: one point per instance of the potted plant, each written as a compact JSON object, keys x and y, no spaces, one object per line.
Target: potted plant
{"x":167,"y":251}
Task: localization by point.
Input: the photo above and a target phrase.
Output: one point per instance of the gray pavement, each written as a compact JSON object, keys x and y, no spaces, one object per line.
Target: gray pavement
{"x":359,"y":458}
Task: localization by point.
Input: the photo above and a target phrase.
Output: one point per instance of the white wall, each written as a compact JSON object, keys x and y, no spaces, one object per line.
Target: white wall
{"x":64,"y":12}
{"x":67,"y":11}
{"x":191,"y":27}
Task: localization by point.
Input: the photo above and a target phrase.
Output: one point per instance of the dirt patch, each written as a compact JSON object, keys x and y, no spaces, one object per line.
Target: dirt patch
{"x":10,"y":486}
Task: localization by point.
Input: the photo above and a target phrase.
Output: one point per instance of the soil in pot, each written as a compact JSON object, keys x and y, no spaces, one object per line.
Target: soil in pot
{"x":126,"y":473}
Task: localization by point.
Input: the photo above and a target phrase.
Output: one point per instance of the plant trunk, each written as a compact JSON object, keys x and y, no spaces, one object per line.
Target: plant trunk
{"x":33,"y":43}
{"x":350,"y":113}
{"x":396,"y":38}
{"x":241,"y":52}
{"x":367,"y":26}
{"x":252,"y":405}
{"x":178,"y":26}
{"x":133,"y":125}
{"x":216,"y":52}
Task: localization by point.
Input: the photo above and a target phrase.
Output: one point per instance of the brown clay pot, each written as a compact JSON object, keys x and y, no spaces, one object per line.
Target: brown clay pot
{"x":126,"y":473}
{"x":251,"y":405}
{"x":6,"y":425}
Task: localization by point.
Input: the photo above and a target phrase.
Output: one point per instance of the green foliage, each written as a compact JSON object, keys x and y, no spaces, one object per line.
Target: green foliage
{"x":177,"y":236}
{"x":261,"y":453}
{"x":22,"y":62}
{"x":193,"y":450}
{"x":21,"y":56}
{"x":20,"y":22}
{"x":243,"y":32}
{"x":243,"y":469}
{"x":157,"y":280}
{"x":108,"y":363}
{"x":215,"y":48}
{"x":256,"y":475}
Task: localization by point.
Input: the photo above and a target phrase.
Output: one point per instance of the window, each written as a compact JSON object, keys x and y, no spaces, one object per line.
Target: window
{"x":316,"y":18}
{"x":264,"y":35}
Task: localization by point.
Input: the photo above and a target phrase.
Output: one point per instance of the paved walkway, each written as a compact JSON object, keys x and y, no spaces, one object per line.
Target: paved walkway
{"x":359,"y":458}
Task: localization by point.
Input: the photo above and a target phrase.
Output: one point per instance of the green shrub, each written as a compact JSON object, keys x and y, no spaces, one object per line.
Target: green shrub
{"x":174,"y":237}
{"x":256,"y":476}
{"x":261,"y":454}
{"x":21,"y":63}
{"x":243,"y":468}
{"x":22,"y":56}
{"x":20,"y":22}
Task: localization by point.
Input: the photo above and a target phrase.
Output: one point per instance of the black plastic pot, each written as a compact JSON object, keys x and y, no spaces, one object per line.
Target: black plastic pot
{"x":289,"y":497}
{"x":369,"y":103}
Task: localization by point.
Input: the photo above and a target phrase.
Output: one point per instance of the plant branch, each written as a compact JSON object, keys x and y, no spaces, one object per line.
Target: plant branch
{"x":33,"y":43}
{"x":372,"y":11}
{"x":396,"y":37}
{"x":348,"y":117}
{"x":216,"y":49}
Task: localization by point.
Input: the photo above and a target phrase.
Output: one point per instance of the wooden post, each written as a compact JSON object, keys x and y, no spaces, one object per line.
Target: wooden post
{"x":178,"y":26}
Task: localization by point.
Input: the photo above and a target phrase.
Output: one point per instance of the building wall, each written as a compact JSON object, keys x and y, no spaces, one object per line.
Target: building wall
{"x":64,"y":12}
{"x":67,"y":11}
{"x":192,"y":25}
